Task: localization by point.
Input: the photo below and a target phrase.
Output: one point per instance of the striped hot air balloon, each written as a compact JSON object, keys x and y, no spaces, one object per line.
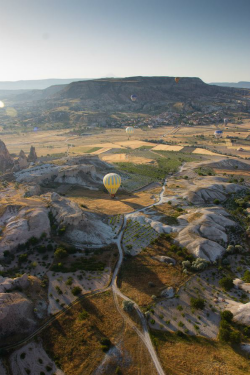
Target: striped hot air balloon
{"x":130,"y":130}
{"x":112,"y":182}
{"x":133,"y":98}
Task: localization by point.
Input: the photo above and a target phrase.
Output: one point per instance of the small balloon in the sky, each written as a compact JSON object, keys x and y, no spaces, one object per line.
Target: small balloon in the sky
{"x":133,"y":98}
{"x":177,"y":79}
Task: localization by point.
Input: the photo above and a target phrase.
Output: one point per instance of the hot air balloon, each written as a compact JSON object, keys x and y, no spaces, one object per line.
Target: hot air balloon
{"x":35,"y":129}
{"x":133,"y":98}
{"x":177,"y":79}
{"x":112,"y":182}
{"x":129,"y":130}
{"x":225,"y":121}
{"x":218,"y":133}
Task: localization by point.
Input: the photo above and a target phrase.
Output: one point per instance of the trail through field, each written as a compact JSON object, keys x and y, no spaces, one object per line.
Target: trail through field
{"x":145,"y":337}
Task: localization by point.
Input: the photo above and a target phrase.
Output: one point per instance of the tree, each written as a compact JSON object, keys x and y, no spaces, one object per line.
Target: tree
{"x":226,"y":283}
{"x":224,"y":334}
{"x":197,"y":303}
{"x":227,"y":316}
{"x":246,"y":276}
{"x":76,"y":290}
{"x":128,"y":306}
{"x":60,"y":253}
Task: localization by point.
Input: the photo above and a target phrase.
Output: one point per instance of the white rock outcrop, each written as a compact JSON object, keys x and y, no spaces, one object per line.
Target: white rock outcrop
{"x":83,"y":175}
{"x":7,"y":284}
{"x":240,"y":311}
{"x":205,"y":228}
{"x":20,"y":224}
{"x":16,"y":314}
{"x":206,"y":190}
{"x":82,"y":227}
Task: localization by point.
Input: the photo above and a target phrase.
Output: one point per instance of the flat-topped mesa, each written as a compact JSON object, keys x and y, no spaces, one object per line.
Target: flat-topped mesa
{"x":32,"y":155}
{"x":6,"y":161}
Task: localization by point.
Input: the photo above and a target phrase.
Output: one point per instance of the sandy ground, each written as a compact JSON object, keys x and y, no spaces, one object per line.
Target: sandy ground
{"x":35,"y":359}
{"x":176,"y":313}
{"x":167,"y":148}
{"x":90,"y":281}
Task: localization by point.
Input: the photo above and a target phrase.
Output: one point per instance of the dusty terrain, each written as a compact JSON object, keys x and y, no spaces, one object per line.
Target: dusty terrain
{"x":167,"y":241}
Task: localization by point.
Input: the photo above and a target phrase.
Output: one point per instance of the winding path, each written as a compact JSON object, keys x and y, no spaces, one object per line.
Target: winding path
{"x":145,"y":337}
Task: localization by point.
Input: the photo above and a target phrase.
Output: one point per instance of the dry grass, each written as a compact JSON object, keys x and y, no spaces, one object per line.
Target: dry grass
{"x":102,"y":203}
{"x":76,"y":344}
{"x":198,"y":356}
{"x":138,"y":271}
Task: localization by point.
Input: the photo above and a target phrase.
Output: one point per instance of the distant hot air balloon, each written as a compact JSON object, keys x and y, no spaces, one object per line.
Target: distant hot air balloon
{"x":225,"y":121}
{"x":177,"y":79}
{"x":35,"y":129}
{"x":129,"y":130}
{"x":218,"y":133}
{"x":112,"y":182}
{"x":133,"y":98}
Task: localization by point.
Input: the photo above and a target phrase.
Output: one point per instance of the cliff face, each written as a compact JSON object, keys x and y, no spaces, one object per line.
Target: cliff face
{"x":6,"y":162}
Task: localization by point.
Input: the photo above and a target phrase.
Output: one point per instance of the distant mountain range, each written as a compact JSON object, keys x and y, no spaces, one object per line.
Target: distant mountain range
{"x":240,"y":85}
{"x":39,"y":84}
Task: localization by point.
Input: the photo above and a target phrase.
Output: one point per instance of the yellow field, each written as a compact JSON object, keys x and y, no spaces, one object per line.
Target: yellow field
{"x":202,"y":151}
{"x":167,"y":148}
{"x":113,"y":158}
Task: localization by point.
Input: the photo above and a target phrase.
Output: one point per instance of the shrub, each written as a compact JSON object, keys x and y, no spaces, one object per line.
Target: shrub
{"x":227,"y":316}
{"x":22,"y":355}
{"x":199,"y":264}
{"x":226,"y":283}
{"x":60,"y":253}
{"x":230,"y":249}
{"x":76,"y":290}
{"x":246,"y":276}
{"x":224,"y":334}
{"x":62,"y":231}
{"x":197,"y":303}
{"x":50,"y":247}
{"x":69,"y":281}
{"x":216,"y":201}
{"x":235,"y":337}
{"x":83,"y":315}
{"x":128,"y":306}
{"x":23,"y":258}
{"x":186,"y":264}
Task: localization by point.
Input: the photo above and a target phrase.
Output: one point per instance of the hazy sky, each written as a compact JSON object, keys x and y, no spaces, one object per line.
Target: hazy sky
{"x":209,"y":39}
